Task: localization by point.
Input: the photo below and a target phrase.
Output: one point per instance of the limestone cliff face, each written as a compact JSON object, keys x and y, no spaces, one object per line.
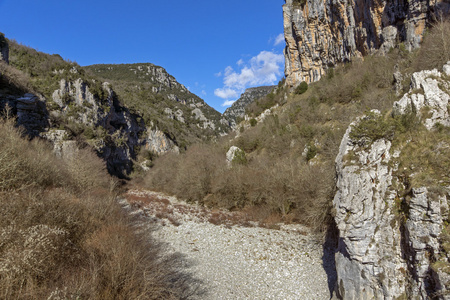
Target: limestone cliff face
{"x":392,"y":224}
{"x":116,"y":132}
{"x":321,"y":33}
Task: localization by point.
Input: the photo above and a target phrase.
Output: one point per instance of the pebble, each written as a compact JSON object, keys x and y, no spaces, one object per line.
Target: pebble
{"x":236,"y":262}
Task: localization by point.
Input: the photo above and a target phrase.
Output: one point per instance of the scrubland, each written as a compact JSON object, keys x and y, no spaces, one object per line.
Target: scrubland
{"x":287,"y":173}
{"x":63,"y":234}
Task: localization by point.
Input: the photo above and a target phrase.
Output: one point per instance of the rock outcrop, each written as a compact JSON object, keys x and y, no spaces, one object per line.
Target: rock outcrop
{"x":237,"y":109}
{"x":392,"y":224}
{"x":4,"y":49}
{"x":114,"y":132}
{"x":321,"y":33}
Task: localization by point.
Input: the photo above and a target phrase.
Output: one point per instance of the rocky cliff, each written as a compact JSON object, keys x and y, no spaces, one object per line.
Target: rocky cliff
{"x":237,"y":109}
{"x":393,"y":189}
{"x":321,"y":33}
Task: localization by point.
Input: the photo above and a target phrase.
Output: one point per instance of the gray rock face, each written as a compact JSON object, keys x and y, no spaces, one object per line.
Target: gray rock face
{"x":237,"y":109}
{"x":323,"y":33}
{"x":159,"y":143}
{"x":31,"y":111}
{"x":389,"y":231}
{"x":434,"y":95}
{"x":122,"y":127}
{"x":231,"y":154}
{"x":4,"y":49}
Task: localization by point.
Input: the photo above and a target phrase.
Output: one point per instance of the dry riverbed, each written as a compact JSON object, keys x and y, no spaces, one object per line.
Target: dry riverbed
{"x":232,"y":257}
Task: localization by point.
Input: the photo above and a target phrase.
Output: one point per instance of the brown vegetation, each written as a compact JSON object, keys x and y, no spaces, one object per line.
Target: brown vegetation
{"x":63,"y":235}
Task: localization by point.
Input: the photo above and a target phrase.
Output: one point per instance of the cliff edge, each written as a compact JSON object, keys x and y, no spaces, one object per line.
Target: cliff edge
{"x":321,"y":33}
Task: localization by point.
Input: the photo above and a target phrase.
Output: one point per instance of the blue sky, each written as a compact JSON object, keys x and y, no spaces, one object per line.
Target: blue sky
{"x":215,"y":48}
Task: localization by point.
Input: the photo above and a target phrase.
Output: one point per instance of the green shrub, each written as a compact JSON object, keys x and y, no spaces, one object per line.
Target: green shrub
{"x":371,"y":127}
{"x":253,"y":122}
{"x":239,"y":158}
{"x":301,"y":88}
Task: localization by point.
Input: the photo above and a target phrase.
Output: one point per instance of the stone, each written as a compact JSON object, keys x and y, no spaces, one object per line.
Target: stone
{"x":383,"y":253}
{"x":231,"y":154}
{"x":428,"y":88}
{"x":158,"y":143}
{"x":446,"y":68}
{"x":324,"y":33}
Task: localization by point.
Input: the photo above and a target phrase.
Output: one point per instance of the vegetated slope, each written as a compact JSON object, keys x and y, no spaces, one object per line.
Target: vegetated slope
{"x":236,"y":111}
{"x":63,"y":235}
{"x":162,"y":101}
{"x":73,"y":107}
{"x":288,"y":170}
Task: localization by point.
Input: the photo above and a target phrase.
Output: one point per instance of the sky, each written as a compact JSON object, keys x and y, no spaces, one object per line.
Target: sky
{"x":216,"y":49}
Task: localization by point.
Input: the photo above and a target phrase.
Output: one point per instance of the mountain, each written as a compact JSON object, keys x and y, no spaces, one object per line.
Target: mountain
{"x":237,"y":109}
{"x":162,"y":101}
{"x":320,"y":34}
{"x":140,"y":113}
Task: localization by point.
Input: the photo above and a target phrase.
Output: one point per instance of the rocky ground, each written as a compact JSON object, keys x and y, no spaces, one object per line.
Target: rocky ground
{"x":234,"y":258}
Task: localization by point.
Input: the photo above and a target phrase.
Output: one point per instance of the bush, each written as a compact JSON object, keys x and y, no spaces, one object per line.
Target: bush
{"x":253,"y":122}
{"x":63,"y":235}
{"x":301,"y":88}
{"x":371,"y":127}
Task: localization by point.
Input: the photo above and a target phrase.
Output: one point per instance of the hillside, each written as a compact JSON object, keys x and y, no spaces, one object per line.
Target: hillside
{"x":162,"y":102}
{"x":128,"y":121}
{"x":236,"y":111}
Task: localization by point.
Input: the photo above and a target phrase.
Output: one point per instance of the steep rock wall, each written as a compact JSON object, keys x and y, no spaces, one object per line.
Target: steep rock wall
{"x":118,"y":132}
{"x":321,"y":33}
{"x":392,"y":240}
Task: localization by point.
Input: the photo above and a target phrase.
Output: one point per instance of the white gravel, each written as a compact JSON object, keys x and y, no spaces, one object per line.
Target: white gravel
{"x":237,"y":262}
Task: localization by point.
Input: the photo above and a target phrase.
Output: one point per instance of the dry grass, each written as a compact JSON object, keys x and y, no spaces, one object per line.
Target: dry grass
{"x":63,"y":235}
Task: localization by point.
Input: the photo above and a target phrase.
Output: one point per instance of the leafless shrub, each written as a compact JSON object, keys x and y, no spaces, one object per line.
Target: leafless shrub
{"x":15,"y":77}
{"x":63,"y":235}
{"x":435,"y":49}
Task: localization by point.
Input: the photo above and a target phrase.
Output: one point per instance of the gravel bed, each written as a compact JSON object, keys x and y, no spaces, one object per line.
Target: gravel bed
{"x":240,"y":262}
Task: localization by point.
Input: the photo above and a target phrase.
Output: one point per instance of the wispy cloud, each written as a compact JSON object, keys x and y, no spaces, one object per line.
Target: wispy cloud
{"x":226,"y":93}
{"x":262,"y":69}
{"x":279,"y":39}
{"x":228,"y":102}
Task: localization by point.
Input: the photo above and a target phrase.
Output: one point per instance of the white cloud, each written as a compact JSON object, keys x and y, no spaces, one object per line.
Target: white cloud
{"x":225,"y":93}
{"x":204,"y":93}
{"x":218,"y":74}
{"x":240,"y":62}
{"x":228,"y":102}
{"x":263,"y":69}
{"x":279,"y":39}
